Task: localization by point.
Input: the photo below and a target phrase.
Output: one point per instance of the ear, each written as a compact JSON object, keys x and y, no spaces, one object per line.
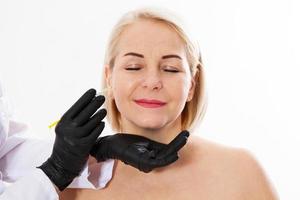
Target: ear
{"x":108,"y":77}
{"x":192,"y":89}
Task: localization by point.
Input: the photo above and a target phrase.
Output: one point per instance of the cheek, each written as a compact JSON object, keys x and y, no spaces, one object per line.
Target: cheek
{"x":121,"y":87}
{"x":179,"y":88}
{"x":119,"y":93}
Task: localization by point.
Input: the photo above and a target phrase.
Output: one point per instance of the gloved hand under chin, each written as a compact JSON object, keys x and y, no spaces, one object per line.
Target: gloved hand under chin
{"x":138,"y":151}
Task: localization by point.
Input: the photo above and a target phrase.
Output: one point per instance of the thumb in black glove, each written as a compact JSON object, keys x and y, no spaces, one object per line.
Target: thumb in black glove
{"x":138,"y":151}
{"x":76,"y":133}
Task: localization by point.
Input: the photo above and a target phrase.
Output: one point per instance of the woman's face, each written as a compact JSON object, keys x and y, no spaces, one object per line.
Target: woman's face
{"x":151,"y":80}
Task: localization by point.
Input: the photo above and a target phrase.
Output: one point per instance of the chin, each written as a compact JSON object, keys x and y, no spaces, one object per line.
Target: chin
{"x":151,"y":125}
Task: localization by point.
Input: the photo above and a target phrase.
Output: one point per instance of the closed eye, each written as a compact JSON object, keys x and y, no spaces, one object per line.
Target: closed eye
{"x":130,"y":68}
{"x":171,"y":70}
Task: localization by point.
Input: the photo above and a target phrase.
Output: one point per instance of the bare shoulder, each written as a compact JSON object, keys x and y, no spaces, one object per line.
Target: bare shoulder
{"x":235,"y":168}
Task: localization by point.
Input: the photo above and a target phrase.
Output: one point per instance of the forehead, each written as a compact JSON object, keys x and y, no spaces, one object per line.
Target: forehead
{"x":148,"y":36}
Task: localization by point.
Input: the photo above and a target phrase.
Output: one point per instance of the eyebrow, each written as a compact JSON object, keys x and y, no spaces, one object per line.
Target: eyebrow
{"x":142,"y":56}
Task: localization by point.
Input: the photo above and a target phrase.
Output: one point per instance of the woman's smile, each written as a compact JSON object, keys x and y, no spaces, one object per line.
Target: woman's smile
{"x":150,"y":103}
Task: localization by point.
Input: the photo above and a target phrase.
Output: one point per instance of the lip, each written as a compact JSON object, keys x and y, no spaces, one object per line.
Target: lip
{"x":150,"y":103}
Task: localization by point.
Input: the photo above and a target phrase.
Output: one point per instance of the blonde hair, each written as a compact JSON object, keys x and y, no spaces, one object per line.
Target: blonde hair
{"x":194,"y":109}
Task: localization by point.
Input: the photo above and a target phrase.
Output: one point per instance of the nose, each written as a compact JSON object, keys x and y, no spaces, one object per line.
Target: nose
{"x":152,"y":80}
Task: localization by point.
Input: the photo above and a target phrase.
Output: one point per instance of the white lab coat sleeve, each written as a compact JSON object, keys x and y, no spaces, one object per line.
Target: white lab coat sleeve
{"x":34,"y":186}
{"x":24,"y":158}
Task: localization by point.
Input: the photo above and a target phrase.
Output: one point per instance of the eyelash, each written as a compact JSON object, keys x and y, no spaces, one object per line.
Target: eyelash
{"x":137,"y":68}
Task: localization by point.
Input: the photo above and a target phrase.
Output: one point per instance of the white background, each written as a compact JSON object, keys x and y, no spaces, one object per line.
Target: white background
{"x":51,"y":52}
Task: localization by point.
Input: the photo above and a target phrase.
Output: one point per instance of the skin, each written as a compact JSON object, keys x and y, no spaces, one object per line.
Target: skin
{"x":204,"y":170}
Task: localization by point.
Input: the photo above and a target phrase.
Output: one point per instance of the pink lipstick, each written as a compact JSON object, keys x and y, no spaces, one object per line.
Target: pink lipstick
{"x":150,"y":103}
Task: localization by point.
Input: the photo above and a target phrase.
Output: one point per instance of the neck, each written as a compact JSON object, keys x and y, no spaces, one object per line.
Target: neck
{"x":164,"y":135}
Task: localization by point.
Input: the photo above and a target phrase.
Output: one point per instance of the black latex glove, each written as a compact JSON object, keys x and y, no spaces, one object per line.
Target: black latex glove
{"x":138,"y":151}
{"x":76,"y":133}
